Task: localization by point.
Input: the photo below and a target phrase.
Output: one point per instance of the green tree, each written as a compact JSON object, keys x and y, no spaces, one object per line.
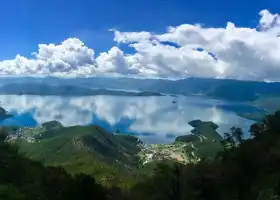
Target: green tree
{"x":9,"y":192}
{"x":237,"y":134}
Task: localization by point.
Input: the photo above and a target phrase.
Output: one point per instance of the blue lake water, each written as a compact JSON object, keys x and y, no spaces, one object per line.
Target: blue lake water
{"x":153,"y":119}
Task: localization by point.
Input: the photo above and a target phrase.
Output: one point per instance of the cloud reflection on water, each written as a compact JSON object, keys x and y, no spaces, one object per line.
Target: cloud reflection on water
{"x":155,"y":119}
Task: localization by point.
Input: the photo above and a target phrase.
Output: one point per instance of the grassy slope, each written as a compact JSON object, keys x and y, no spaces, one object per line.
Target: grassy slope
{"x":87,"y":149}
{"x":205,"y":139}
{"x":208,"y":146}
{"x":269,"y":104}
{"x":256,"y":116}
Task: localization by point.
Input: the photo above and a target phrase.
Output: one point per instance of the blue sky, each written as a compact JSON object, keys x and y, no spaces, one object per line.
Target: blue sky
{"x":82,"y":44}
{"x":27,"y":23}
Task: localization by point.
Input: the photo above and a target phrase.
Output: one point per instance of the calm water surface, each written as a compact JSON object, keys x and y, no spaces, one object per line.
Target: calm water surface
{"x":153,"y":119}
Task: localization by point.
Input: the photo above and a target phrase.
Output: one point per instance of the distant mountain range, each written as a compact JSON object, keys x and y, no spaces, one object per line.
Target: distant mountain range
{"x":64,"y":90}
{"x":214,"y":88}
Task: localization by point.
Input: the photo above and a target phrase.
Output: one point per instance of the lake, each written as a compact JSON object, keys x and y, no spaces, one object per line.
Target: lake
{"x":153,"y":119}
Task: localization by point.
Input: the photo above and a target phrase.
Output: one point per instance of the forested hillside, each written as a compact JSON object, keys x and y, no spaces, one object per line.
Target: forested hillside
{"x":244,"y":170}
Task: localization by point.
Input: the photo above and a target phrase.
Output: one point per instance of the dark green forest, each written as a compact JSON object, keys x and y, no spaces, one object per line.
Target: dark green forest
{"x":244,"y":170}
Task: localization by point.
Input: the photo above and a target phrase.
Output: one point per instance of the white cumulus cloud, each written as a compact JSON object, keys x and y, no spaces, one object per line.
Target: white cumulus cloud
{"x":195,"y":51}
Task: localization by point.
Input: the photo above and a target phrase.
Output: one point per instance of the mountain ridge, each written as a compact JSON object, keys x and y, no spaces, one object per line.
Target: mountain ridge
{"x":65,"y":90}
{"x":228,"y":89}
